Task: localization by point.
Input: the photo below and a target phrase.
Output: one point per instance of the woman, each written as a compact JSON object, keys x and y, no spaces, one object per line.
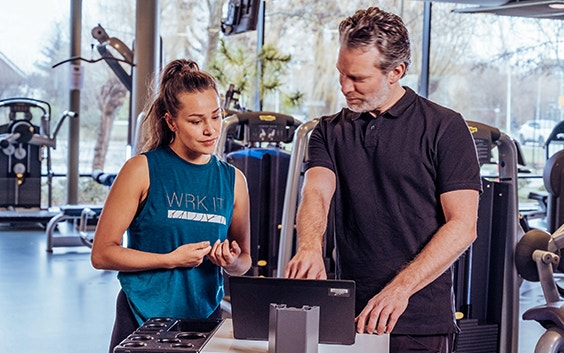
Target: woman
{"x":185,"y":211}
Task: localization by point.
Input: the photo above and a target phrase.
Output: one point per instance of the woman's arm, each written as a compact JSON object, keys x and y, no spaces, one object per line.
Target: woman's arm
{"x":234,"y":254}
{"x":128,"y":190}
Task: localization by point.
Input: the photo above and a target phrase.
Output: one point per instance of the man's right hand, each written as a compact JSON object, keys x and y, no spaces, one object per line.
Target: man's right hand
{"x":306,"y":264}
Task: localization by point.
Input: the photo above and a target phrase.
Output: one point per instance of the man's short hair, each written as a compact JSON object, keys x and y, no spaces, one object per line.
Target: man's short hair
{"x":382,"y":30}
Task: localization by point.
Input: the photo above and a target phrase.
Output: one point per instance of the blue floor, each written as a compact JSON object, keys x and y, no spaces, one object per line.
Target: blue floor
{"x":57,"y":303}
{"x":52,"y":302}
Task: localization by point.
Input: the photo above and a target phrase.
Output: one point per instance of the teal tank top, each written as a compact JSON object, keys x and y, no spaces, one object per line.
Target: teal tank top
{"x":186,"y":203}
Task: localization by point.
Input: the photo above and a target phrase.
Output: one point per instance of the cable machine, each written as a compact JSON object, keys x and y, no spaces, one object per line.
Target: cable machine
{"x":26,"y":145}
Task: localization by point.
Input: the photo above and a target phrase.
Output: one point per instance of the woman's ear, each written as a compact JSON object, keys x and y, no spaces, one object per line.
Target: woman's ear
{"x":170,"y":122}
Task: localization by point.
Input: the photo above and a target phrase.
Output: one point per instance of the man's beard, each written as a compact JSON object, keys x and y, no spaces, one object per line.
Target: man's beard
{"x":360,"y":106}
{"x":369,"y":103}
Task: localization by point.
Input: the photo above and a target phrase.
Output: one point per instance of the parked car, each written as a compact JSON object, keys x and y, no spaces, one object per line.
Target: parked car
{"x":536,"y":131}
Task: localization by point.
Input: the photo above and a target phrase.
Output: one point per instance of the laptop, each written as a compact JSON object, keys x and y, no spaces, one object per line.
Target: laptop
{"x":251,"y":298}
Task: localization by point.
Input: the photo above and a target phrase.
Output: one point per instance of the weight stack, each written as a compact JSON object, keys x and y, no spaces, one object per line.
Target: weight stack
{"x":476,"y":338}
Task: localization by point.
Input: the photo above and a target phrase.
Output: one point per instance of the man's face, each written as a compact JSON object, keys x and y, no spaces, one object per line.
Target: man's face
{"x":363,"y":84}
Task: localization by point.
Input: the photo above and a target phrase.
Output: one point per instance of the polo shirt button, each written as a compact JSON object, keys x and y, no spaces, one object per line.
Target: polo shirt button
{"x":372,"y":127}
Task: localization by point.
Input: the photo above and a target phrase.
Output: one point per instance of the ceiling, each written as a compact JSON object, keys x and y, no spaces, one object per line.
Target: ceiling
{"x":551,"y":9}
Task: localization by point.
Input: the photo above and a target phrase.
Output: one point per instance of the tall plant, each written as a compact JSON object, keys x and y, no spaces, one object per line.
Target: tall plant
{"x":232,"y":64}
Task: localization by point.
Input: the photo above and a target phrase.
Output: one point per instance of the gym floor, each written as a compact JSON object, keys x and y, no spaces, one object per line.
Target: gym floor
{"x":58,"y":303}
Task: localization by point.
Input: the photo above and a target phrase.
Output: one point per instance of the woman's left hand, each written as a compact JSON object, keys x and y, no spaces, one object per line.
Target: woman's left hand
{"x":225,"y":254}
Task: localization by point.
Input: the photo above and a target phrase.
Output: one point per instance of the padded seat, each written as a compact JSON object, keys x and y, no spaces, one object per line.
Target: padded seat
{"x":547,"y":314}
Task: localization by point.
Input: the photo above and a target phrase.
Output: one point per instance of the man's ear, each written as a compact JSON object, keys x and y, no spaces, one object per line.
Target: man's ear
{"x":397,"y":73}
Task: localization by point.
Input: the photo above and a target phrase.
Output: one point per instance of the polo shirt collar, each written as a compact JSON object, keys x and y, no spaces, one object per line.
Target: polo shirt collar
{"x":397,"y":109}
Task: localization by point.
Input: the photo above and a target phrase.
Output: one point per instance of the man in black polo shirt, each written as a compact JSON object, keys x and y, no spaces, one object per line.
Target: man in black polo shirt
{"x":405,"y":178}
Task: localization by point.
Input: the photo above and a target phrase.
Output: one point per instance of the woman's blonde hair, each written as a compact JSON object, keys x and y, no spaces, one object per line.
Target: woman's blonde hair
{"x":179,"y":76}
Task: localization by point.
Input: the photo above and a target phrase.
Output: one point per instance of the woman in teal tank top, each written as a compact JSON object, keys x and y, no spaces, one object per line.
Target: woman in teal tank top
{"x":186,"y":213}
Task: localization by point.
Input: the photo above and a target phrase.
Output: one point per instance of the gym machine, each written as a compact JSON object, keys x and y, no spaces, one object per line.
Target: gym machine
{"x":553,"y":179}
{"x":26,"y":145}
{"x":554,"y":214}
{"x":538,"y":254}
{"x":85,"y":217}
{"x":486,"y":282}
{"x":537,"y":257}
{"x":556,"y":137}
{"x":252,"y":141}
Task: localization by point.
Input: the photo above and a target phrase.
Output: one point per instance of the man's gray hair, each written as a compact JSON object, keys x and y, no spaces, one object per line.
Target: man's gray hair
{"x":382,"y":30}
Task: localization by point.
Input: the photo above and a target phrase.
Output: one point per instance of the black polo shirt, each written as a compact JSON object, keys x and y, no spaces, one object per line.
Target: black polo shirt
{"x":390,"y":172}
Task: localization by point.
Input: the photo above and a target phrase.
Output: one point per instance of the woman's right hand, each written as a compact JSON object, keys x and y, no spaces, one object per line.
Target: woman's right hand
{"x":190,"y":255}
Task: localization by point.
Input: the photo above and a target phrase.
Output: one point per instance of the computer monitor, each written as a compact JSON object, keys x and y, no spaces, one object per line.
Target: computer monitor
{"x":251,"y":298}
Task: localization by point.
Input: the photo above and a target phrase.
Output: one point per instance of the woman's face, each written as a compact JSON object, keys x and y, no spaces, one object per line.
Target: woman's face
{"x":197,"y":126}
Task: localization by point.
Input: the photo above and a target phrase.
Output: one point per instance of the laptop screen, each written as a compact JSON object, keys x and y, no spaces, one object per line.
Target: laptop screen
{"x":251,"y":298}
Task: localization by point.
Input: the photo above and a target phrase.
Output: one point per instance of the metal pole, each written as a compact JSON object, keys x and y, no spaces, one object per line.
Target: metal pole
{"x":508,"y":121}
{"x":424,"y":86}
{"x":146,"y":55}
{"x":74,"y":102}
{"x":509,"y":326}
{"x":260,"y":44}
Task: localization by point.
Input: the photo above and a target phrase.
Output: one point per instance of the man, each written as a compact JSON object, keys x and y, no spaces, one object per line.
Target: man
{"x":404,"y":177}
